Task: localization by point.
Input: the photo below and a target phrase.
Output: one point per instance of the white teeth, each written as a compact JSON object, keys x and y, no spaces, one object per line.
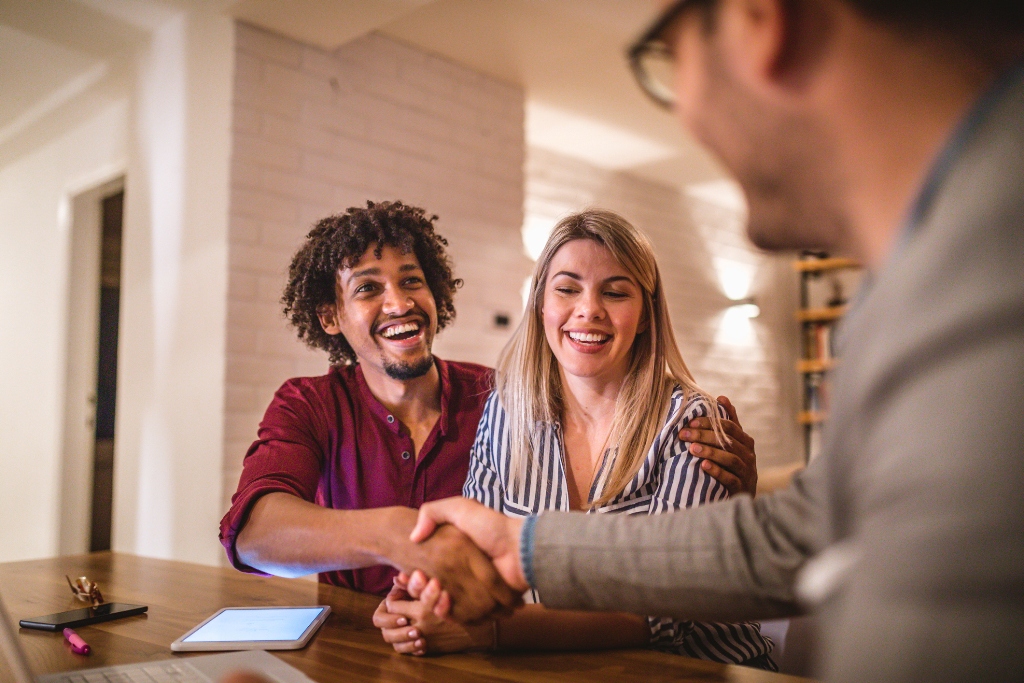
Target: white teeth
{"x":590,"y":337}
{"x":400,"y":329}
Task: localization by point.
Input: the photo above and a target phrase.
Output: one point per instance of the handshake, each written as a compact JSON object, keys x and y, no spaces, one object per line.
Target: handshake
{"x":471,"y":555}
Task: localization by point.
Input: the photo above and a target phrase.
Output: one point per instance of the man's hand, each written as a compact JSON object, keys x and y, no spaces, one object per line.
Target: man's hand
{"x":736,"y":466}
{"x":476,"y":590}
{"x":492,"y":532}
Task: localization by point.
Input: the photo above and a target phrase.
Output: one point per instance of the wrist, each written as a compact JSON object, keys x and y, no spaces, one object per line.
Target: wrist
{"x":387,"y":540}
{"x":518,"y":573}
{"x":483,"y":637}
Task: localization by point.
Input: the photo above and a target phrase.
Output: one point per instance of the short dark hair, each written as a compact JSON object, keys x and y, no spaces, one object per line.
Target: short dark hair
{"x":337,"y":242}
{"x":974,"y":22}
{"x":1005,"y":16}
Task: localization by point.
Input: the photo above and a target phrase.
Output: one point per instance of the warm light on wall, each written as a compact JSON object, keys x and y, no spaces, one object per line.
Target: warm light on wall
{"x":747,"y":308}
{"x":536,"y":230}
{"x":735,"y":277}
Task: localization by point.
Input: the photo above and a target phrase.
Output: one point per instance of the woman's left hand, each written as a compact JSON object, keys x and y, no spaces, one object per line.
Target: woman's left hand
{"x":411,"y":627}
{"x":735,"y":466}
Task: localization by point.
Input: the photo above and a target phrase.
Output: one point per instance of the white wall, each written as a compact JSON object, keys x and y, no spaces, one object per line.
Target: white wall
{"x":35,"y":202}
{"x":171,"y":136}
{"x":318,"y":132}
{"x":174,"y":293}
{"x":698,"y":244}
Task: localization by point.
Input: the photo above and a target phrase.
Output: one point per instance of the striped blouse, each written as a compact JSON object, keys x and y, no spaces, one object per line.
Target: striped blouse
{"x":670,"y":478}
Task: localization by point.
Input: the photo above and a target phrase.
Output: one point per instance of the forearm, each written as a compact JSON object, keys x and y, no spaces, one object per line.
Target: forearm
{"x":534,"y":627}
{"x":288,"y":536}
{"x":727,"y":561}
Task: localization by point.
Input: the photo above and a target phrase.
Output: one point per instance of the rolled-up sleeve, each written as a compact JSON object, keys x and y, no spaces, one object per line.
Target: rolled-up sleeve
{"x":287,"y":456}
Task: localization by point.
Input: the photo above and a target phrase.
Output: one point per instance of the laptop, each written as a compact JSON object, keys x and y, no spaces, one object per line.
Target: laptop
{"x":204,"y":669}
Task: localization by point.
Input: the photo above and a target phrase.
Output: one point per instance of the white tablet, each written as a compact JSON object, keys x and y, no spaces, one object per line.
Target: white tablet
{"x":254,"y":628}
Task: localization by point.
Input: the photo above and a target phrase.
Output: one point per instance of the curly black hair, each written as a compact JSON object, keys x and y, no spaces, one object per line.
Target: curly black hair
{"x":337,"y":242}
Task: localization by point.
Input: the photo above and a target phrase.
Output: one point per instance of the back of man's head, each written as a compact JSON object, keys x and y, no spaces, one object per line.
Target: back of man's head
{"x":988,"y":27}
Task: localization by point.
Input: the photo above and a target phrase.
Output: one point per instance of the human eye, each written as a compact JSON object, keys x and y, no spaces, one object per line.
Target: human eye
{"x":366,"y":288}
{"x":414,"y":282}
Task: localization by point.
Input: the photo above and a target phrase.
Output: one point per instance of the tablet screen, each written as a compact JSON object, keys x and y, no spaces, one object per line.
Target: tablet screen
{"x":241,"y":625}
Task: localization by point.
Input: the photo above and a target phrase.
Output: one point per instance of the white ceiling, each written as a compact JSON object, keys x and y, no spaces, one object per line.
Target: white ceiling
{"x":567,"y":55}
{"x":37,"y":74}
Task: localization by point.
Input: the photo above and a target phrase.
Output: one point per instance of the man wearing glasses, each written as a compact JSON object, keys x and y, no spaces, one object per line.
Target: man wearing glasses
{"x":891,"y":131}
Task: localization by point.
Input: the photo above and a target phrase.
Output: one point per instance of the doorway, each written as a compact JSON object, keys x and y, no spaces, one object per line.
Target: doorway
{"x":94,"y":295}
{"x":112,"y":214}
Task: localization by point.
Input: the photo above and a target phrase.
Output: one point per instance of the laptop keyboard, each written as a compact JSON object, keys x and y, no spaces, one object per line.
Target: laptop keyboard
{"x":158,"y":672}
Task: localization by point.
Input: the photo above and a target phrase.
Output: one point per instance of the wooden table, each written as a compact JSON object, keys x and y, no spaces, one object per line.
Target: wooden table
{"x":347,"y":648}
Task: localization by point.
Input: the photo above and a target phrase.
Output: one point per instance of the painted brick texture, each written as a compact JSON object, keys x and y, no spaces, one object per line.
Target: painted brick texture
{"x":750,"y":362}
{"x":317,"y":132}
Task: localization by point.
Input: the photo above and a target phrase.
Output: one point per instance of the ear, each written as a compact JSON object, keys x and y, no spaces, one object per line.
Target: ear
{"x":772,"y":45}
{"x":328,"y":315}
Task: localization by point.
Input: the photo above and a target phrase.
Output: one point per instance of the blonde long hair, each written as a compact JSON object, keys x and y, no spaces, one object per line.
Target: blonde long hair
{"x":529,"y":384}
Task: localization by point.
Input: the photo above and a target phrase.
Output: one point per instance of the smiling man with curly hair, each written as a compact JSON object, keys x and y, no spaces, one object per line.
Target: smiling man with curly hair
{"x":341,"y":460}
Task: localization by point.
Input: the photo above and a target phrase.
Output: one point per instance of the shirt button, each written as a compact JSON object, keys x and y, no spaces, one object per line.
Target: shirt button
{"x":405,"y":455}
{"x":391,"y":419}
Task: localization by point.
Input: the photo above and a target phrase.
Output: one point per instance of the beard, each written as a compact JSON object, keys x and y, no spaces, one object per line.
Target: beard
{"x":403,"y":370}
{"x":786,"y":164}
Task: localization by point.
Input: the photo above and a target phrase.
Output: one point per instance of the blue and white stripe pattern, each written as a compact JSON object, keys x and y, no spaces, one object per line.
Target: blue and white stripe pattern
{"x":669,"y":479}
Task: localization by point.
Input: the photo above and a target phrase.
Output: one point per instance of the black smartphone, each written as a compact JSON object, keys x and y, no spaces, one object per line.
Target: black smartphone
{"x":83,"y":617}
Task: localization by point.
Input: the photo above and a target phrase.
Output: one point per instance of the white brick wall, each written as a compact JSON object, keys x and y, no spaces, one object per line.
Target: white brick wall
{"x":688,"y":235}
{"x":317,"y":132}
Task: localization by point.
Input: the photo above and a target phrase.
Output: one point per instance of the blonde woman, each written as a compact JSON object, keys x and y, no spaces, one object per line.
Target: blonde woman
{"x":591,"y":392}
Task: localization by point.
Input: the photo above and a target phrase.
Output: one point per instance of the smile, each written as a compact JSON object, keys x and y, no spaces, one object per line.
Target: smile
{"x":589,"y":338}
{"x":401,"y":331}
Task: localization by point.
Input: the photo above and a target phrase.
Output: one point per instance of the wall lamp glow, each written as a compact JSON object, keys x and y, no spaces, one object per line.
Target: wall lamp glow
{"x":747,"y":308}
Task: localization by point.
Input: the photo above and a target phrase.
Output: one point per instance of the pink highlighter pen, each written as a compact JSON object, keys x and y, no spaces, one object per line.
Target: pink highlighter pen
{"x":78,"y":646}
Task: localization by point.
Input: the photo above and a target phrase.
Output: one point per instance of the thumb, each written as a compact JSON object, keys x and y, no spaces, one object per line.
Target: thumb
{"x":730,"y":409}
{"x":431,"y":515}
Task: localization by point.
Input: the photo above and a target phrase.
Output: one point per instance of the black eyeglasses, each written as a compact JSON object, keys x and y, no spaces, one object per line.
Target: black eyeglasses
{"x":651,"y":59}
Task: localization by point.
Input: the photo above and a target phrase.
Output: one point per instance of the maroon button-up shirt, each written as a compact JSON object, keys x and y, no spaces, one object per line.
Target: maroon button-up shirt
{"x":328,"y":440}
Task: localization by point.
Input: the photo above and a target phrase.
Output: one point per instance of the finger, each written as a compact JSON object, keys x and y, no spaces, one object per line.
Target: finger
{"x":397,"y":593}
{"x":384,"y":619}
{"x":430,"y":595}
{"x":401,"y":582}
{"x":400,"y":635}
{"x":417,"y":582}
{"x":430,"y":516}
{"x":734,"y":431}
{"x":414,"y":647}
{"x":410,"y":609}
{"x":730,"y":409}
{"x":446,"y":511}
{"x":444,"y":605}
{"x":731,"y":483}
{"x":488,"y":576}
{"x":703,"y":431}
{"x":724,"y":459}
{"x":693,"y":435}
